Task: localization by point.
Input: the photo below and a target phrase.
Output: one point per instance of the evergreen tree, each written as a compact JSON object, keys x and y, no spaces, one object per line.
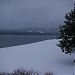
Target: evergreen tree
{"x":67,"y":33}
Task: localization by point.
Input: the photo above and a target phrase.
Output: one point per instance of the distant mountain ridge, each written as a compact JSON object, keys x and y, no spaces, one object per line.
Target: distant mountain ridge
{"x":34,"y":31}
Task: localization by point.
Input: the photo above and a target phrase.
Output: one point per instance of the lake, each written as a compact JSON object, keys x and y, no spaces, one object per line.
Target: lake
{"x":14,"y":40}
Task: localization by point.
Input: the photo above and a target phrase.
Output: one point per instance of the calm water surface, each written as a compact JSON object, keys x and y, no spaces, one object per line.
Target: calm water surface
{"x":14,"y":40}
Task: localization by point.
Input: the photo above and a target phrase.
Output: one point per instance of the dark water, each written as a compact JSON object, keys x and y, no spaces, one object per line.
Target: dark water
{"x":14,"y":40}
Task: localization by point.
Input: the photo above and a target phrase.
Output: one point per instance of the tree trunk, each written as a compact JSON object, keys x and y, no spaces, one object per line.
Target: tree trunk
{"x":74,"y":60}
{"x":74,"y":56}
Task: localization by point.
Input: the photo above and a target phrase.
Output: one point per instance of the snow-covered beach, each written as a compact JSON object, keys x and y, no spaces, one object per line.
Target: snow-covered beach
{"x":42,"y":56}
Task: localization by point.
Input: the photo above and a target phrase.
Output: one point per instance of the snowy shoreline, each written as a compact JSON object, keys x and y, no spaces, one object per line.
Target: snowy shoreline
{"x":43,"y":56}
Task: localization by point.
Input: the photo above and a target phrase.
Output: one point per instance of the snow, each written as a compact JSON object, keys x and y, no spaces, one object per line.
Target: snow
{"x":42,"y":56}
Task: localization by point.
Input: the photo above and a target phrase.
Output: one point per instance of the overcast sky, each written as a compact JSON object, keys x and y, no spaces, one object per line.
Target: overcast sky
{"x":33,"y":13}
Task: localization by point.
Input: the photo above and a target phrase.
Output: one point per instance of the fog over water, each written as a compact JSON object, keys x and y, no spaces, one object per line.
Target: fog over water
{"x":28,"y":15}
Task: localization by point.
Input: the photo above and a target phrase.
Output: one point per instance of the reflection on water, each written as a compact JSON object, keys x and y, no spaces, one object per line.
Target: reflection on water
{"x":14,"y":40}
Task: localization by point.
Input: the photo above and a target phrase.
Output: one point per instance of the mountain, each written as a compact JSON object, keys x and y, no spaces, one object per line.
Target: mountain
{"x":30,"y":31}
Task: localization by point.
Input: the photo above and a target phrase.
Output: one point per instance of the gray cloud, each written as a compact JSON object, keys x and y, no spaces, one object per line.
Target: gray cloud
{"x":33,"y":13}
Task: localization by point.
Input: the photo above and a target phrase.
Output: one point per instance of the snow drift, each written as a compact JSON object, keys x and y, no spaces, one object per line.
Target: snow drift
{"x":42,"y":56}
